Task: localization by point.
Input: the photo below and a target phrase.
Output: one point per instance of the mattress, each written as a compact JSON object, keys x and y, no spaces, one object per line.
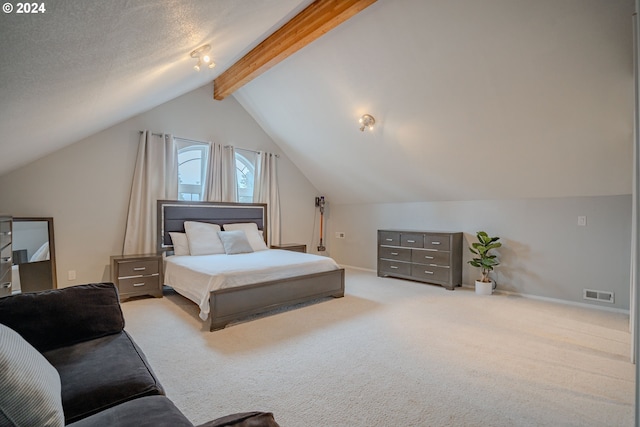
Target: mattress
{"x":196,"y":276}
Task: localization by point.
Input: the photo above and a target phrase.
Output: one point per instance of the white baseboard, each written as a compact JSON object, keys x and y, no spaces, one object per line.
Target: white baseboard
{"x":499,"y":291}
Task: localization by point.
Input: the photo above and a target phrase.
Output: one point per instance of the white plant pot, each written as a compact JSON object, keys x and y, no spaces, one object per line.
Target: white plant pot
{"x":484,"y":288}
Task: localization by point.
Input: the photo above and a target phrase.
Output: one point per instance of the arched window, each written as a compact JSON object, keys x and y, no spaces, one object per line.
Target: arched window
{"x":192,"y":164}
{"x":245,"y":171}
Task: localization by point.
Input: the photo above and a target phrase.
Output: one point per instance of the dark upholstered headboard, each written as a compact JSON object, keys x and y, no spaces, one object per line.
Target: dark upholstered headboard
{"x":173,"y":213}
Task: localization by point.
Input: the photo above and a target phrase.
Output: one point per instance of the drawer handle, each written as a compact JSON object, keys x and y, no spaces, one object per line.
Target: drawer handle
{"x":411,"y":241}
{"x":428,"y":257}
{"x":6,"y":259}
{"x":389,"y":240}
{"x":5,"y":285}
{"x":6,"y":233}
{"x":394,"y":266}
{"x":435,"y":243}
{"x":139,"y":268}
{"x":394,"y":253}
{"x":428,"y":272}
{"x":138,"y":284}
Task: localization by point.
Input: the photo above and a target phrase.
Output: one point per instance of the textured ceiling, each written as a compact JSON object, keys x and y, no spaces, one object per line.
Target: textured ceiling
{"x":84,"y":65}
{"x":473,"y":99}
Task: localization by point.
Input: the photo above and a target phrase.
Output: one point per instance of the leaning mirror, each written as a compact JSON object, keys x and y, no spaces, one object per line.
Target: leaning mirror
{"x":34,"y":258}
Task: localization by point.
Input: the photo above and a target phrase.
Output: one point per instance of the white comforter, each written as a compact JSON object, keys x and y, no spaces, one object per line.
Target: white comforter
{"x":196,"y":276}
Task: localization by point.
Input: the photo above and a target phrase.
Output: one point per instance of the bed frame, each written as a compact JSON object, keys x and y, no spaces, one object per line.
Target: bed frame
{"x":227,"y":305}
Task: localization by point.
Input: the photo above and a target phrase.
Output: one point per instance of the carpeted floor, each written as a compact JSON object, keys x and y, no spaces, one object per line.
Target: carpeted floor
{"x":396,"y":353}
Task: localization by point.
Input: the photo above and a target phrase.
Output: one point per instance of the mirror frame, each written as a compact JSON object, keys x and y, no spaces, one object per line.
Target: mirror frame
{"x":52,"y":248}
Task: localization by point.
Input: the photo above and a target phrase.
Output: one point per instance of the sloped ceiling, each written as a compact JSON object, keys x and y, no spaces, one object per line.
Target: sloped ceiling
{"x":474,"y":99}
{"x":485,"y":99}
{"x":83,"y":65}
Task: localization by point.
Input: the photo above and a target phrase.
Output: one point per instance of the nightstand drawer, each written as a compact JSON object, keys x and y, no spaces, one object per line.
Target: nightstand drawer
{"x":139,"y":284}
{"x":137,"y":268}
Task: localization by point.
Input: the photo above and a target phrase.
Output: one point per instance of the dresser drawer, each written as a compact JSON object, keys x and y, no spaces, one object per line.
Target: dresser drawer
{"x":398,"y":254}
{"x":137,"y":268}
{"x":391,"y":238}
{"x":139,"y":284}
{"x":430,"y":273}
{"x":394,"y":267}
{"x":412,"y":240}
{"x":431,"y":257}
{"x":5,"y":233}
{"x":440,"y":243}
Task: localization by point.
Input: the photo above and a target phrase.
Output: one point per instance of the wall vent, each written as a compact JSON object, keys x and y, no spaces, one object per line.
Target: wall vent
{"x":602,"y":296}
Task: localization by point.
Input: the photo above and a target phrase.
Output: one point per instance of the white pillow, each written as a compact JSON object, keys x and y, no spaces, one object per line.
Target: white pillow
{"x":203,"y":238}
{"x":253,"y":234}
{"x":180,"y":243}
{"x":41,"y":254}
{"x":31,"y":391}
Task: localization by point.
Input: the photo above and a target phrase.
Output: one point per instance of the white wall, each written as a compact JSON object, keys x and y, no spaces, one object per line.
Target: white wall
{"x":85,"y":186}
{"x":545,"y":253}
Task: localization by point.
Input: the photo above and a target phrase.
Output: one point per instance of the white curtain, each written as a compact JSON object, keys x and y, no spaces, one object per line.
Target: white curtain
{"x":155,"y":178}
{"x":221,"y":174}
{"x":265,"y":190}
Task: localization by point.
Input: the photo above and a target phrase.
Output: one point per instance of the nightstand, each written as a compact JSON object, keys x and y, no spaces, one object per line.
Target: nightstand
{"x":136,"y":275}
{"x":295,"y":247}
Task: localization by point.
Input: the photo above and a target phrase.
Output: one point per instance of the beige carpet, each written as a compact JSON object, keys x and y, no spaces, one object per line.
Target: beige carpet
{"x":396,"y":353}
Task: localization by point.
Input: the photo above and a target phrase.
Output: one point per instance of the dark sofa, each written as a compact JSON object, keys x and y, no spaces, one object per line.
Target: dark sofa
{"x":104,"y":377}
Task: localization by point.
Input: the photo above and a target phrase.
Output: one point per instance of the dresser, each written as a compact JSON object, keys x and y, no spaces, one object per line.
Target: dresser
{"x":295,"y":247}
{"x":137,"y":275}
{"x":425,"y":256}
{"x":6,"y":237}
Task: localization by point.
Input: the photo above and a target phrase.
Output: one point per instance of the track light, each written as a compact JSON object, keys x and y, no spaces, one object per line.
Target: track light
{"x":203,"y":57}
{"x":366,"y":121}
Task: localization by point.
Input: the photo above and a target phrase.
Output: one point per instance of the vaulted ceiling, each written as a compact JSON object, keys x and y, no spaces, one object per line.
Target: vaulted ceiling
{"x":474,"y":99}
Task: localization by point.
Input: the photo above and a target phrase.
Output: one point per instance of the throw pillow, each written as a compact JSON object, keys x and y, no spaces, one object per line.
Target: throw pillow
{"x":256,"y":239}
{"x":31,"y":390}
{"x":235,"y":242}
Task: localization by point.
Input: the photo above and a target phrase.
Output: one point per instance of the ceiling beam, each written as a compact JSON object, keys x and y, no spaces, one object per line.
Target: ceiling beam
{"x":314,"y":21}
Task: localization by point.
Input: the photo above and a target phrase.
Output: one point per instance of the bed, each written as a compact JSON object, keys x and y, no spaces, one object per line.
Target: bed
{"x":232,"y":287}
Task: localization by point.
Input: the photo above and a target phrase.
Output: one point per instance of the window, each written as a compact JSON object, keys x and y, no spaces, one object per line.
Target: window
{"x":192,"y":169}
{"x":245,"y":171}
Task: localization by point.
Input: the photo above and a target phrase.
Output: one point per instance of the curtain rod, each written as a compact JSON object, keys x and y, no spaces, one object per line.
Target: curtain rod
{"x":206,"y":142}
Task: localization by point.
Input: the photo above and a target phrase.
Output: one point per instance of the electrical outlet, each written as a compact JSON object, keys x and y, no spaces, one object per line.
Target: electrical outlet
{"x":582,"y":221}
{"x":71,"y":275}
{"x":340,"y":235}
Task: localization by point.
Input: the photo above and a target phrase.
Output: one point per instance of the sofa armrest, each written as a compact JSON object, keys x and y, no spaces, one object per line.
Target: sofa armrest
{"x":60,"y":317}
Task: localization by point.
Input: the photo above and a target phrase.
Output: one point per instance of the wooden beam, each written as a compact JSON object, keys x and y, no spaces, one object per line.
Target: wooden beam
{"x":314,"y":21}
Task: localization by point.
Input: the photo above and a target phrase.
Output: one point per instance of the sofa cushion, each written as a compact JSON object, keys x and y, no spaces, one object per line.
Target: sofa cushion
{"x":102,"y":373}
{"x":150,"y":411}
{"x":30,"y":393}
{"x":61,"y":317}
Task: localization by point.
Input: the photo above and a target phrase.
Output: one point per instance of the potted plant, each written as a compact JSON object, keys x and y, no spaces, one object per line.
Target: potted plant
{"x":484,"y":260}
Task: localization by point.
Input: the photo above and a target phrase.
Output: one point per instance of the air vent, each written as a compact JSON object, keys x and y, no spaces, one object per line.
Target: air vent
{"x":602,"y":296}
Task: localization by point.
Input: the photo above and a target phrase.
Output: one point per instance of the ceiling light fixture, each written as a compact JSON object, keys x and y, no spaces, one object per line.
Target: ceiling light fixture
{"x":203,"y":57}
{"x":367,"y":121}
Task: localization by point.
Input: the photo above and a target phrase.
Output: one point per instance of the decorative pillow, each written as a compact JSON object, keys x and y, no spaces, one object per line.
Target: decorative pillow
{"x":256,"y":240}
{"x":203,"y":238}
{"x":31,"y":390}
{"x":235,"y":242}
{"x":180,"y":243}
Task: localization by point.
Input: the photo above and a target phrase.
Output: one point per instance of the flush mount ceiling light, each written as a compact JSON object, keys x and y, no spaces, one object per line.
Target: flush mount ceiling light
{"x":367,"y":121}
{"x":203,"y":57}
